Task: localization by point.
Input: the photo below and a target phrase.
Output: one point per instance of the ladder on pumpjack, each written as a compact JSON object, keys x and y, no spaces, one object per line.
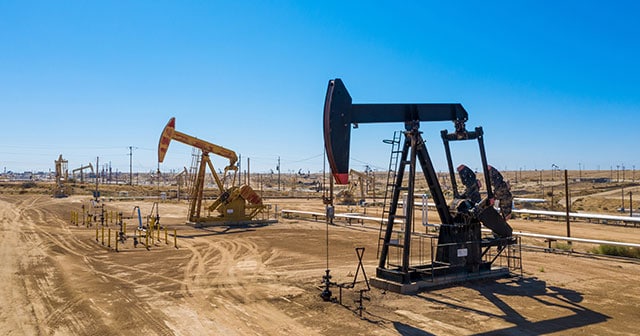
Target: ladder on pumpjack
{"x":193,"y":174}
{"x":389,"y":208}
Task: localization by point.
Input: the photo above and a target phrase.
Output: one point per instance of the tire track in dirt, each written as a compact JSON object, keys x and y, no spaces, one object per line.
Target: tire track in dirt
{"x":17,"y":313}
{"x":221,"y":287}
{"x":75,"y":247}
{"x":66,"y":315}
{"x":48,"y":281}
{"x":231,"y":276}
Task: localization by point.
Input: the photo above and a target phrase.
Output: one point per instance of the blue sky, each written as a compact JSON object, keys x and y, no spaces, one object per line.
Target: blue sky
{"x":550,"y":82}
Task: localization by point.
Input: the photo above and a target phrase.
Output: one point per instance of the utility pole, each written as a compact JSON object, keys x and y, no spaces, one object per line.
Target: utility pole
{"x":580,"y":170}
{"x":278,"y":173}
{"x":130,"y":165}
{"x":96,"y":195}
{"x":248,"y":172}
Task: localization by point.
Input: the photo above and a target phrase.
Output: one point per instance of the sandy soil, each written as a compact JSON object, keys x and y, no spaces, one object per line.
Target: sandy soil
{"x":58,"y":280}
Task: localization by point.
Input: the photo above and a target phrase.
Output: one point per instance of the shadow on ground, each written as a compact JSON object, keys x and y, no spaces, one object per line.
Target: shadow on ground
{"x":561,"y":302}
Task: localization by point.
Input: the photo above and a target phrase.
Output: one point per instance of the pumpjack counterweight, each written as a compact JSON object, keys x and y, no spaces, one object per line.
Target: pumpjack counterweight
{"x":462,"y":252}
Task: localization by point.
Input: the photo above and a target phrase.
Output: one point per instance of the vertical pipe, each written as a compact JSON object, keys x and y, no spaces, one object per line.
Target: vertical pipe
{"x":97,"y":234}
{"x":166,"y":236}
{"x":425,"y":214}
{"x":630,"y":204}
{"x":175,"y":238}
{"x":103,"y":235}
{"x":109,"y":238}
{"x":117,"y":238}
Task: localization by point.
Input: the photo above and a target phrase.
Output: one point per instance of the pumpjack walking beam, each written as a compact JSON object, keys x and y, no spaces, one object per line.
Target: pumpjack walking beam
{"x":340,"y":114}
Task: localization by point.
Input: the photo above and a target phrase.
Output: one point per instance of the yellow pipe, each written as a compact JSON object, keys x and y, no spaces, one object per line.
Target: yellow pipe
{"x":109,"y":239}
{"x":96,"y":234}
{"x":117,"y":242}
{"x":102,"y":235}
{"x":175,"y":238}
{"x":166,"y":235}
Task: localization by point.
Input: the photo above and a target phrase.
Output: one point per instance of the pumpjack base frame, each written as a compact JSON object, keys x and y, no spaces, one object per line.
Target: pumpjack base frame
{"x":430,"y":282}
{"x":245,"y":223}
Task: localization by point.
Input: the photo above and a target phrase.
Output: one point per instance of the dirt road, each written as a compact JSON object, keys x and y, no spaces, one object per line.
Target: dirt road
{"x":58,"y":280}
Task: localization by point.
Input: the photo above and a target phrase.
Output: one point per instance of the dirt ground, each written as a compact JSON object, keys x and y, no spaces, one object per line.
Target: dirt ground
{"x":58,"y":280}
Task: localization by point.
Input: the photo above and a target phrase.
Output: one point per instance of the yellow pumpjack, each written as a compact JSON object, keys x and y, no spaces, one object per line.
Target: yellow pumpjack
{"x":236,"y":205}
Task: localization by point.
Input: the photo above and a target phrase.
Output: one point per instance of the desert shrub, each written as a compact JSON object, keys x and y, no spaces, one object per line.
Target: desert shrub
{"x":620,"y":251}
{"x":563,"y":246}
{"x":27,"y":185}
